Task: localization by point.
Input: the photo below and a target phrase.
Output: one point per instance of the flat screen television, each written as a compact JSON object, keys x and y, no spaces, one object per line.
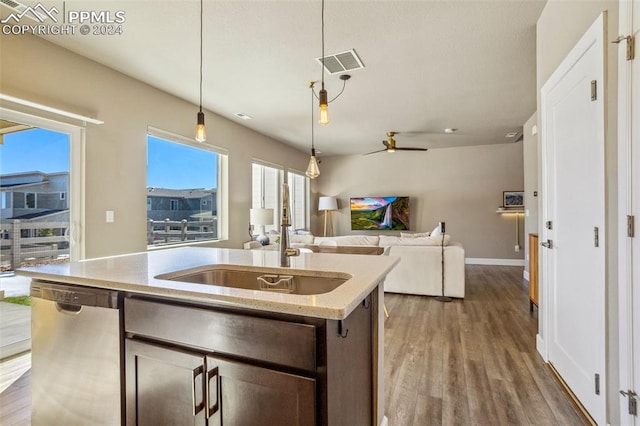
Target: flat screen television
{"x":379,"y":213}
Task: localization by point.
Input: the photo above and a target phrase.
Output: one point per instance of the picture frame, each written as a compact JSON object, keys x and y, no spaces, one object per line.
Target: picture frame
{"x":512,"y":199}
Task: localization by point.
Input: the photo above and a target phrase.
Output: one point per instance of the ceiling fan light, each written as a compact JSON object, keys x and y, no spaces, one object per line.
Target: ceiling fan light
{"x":201,"y":133}
{"x":324,"y":108}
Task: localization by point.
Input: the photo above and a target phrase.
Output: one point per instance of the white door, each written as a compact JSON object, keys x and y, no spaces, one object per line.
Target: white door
{"x":629,"y":206}
{"x":574,"y":197}
{"x":75,"y":192}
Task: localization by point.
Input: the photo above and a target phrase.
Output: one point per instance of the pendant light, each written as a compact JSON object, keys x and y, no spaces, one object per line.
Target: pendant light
{"x":201,"y":134}
{"x":313,"y":171}
{"x":324,"y":103}
{"x":322,"y":95}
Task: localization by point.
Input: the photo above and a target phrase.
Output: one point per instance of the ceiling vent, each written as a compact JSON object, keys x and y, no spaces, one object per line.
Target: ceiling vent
{"x":337,"y":63}
{"x":13,"y":5}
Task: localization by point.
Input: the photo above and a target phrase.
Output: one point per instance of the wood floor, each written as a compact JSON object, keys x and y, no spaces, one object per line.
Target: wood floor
{"x":471,"y":361}
{"x":468,"y":362}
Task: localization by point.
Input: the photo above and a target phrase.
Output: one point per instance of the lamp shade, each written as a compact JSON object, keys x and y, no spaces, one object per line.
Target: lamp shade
{"x":261,"y":216}
{"x":327,"y":203}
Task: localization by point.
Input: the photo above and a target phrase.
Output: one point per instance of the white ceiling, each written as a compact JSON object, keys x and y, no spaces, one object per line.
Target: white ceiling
{"x":428,"y":65}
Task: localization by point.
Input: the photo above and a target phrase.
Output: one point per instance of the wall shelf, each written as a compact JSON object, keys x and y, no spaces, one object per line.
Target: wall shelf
{"x":502,"y":210}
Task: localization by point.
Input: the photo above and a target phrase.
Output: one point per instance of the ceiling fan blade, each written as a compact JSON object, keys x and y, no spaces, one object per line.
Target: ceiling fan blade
{"x":385,"y":143}
{"x":375,"y":152}
{"x":411,"y":149}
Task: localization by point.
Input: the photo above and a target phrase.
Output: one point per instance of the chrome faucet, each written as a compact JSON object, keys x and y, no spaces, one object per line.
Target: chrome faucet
{"x":285,"y":250}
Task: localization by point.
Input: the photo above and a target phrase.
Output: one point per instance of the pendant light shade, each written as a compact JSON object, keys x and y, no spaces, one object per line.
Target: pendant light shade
{"x":324,"y":108}
{"x":313,"y":171}
{"x":201,"y":134}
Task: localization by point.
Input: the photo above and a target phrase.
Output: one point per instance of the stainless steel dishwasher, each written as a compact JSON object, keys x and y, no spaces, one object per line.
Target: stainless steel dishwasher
{"x":76,"y":374}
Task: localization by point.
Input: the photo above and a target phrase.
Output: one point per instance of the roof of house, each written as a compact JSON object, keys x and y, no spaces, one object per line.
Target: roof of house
{"x":38,"y":215}
{"x":180,"y":193}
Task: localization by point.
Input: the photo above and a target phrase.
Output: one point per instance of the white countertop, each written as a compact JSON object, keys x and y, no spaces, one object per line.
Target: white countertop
{"x":137,"y":272}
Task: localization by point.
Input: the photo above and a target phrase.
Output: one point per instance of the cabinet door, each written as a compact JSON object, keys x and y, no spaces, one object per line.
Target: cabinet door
{"x":165,"y":386}
{"x":242,"y":394}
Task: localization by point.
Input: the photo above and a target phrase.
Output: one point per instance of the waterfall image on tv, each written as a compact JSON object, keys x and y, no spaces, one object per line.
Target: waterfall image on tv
{"x":379,"y":213}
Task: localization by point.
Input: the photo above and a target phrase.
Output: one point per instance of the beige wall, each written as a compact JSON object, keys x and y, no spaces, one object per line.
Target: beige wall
{"x":115,"y":176}
{"x":461,"y":186}
{"x":559,"y":27}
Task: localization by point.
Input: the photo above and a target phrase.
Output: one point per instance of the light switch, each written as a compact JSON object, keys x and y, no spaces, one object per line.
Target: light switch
{"x":110,"y":216}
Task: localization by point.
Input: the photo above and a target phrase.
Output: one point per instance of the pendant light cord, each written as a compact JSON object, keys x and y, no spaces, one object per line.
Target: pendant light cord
{"x":201,"y":1}
{"x":313,"y":149}
{"x":323,"y":66}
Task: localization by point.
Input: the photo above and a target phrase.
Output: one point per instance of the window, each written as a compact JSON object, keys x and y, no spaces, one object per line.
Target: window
{"x":299,"y":200}
{"x":30,"y":200}
{"x":267,"y":193}
{"x":266,"y":184}
{"x":180,"y":174}
{"x":3,"y":200}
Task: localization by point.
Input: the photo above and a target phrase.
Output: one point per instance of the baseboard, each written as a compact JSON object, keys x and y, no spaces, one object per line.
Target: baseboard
{"x":525,"y":275}
{"x":540,"y":347}
{"x":497,"y":262}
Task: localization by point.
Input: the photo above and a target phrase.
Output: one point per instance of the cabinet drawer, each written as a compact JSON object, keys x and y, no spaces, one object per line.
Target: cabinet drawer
{"x":274,"y":341}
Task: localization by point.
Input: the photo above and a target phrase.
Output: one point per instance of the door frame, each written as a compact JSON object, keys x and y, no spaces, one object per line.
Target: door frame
{"x":76,"y":172}
{"x":626,"y":189}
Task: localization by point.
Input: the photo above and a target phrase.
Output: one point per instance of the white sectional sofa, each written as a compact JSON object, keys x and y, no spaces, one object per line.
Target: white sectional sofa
{"x":420,"y":268}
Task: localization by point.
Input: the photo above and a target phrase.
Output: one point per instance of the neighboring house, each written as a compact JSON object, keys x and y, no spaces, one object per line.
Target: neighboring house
{"x":30,"y":201}
{"x":192,"y":205}
{"x":35,"y":196}
{"x":179,"y":204}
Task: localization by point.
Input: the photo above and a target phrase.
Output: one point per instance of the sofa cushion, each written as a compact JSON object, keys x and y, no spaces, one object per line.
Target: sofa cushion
{"x":414,"y":235}
{"x":350,"y":240}
{"x":388,"y":240}
{"x":301,"y":239}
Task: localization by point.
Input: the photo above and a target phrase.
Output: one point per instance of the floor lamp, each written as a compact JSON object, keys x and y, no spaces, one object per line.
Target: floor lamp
{"x":327,"y":204}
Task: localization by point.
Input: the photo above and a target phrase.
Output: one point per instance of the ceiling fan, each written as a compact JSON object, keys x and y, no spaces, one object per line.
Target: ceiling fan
{"x":390,"y":145}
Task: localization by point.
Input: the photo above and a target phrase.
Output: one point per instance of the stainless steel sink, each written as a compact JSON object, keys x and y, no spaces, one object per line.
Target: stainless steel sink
{"x":265,"y":279}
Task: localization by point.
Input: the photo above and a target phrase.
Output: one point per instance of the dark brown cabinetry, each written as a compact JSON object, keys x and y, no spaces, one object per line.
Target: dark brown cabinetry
{"x":533,"y":270}
{"x":214,"y":366}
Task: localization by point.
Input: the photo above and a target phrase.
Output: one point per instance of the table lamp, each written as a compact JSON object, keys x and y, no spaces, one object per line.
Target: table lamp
{"x":261,"y":217}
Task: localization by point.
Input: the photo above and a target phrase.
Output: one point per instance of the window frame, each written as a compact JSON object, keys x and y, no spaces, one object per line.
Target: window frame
{"x":222,"y":197}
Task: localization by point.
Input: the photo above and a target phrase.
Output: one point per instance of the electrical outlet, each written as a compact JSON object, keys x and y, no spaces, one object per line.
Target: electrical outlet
{"x":517,"y":248}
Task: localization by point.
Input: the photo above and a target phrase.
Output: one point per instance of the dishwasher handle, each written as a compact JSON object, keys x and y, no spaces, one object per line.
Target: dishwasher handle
{"x":68,"y":308}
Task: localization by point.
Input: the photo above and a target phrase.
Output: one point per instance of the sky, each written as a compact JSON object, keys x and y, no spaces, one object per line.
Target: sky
{"x":170,"y":165}
{"x":34,"y":150}
{"x":177,"y":166}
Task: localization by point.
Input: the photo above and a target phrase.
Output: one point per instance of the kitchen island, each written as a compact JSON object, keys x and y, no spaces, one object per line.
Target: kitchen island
{"x":197,"y":353}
